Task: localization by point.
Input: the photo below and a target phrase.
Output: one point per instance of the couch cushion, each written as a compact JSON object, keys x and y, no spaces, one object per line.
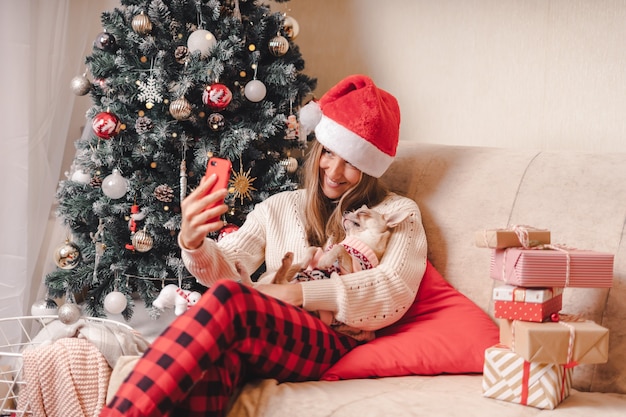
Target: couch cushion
{"x":443,"y":332}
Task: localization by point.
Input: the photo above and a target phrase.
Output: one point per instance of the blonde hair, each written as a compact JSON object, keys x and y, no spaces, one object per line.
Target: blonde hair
{"x":324,"y":216}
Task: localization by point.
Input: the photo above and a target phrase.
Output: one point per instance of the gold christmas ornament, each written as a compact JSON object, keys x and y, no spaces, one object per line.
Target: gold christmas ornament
{"x":180,"y":109}
{"x":290,"y":164}
{"x":142,"y":241}
{"x":67,"y":256}
{"x":278,"y":45}
{"x":291,"y":27}
{"x":241,"y":184}
{"x":141,"y":24}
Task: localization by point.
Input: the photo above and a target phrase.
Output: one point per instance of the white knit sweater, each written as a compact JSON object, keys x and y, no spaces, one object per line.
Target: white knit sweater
{"x":367,"y":300}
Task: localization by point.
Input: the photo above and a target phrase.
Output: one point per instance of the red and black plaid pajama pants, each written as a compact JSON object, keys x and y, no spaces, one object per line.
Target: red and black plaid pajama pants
{"x":234,"y":333}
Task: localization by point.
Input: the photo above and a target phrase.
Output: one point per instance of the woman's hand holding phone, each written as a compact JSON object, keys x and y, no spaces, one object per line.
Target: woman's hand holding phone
{"x":202,"y":208}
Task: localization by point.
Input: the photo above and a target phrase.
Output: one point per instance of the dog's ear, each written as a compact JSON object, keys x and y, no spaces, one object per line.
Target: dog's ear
{"x":394,"y":219}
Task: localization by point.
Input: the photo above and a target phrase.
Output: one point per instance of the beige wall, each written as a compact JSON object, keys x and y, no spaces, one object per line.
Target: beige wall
{"x":547,"y":74}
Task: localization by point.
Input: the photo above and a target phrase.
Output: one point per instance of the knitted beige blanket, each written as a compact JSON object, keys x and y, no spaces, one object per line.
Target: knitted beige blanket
{"x":66,"y":378}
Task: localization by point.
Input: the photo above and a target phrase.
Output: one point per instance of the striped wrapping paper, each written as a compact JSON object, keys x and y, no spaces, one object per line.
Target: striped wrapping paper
{"x":552,"y":267}
{"x":508,"y":377}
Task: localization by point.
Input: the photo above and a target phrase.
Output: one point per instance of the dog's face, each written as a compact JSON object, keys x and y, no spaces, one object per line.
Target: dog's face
{"x":371,"y":227}
{"x":364,"y":221}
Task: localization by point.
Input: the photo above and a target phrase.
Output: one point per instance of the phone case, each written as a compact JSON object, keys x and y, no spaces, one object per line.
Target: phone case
{"x":221,"y":167}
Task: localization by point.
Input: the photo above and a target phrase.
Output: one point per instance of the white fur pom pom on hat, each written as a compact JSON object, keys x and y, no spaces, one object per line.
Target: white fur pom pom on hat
{"x":358,"y":121}
{"x":310,"y":116}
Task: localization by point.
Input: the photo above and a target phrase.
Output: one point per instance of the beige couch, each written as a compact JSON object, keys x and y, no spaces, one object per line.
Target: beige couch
{"x":581,"y":198}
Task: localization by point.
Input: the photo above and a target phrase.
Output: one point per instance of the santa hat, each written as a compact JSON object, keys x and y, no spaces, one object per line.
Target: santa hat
{"x":358,"y":121}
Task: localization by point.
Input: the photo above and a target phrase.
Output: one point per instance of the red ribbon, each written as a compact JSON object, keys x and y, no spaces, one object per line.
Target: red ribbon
{"x":525,"y":382}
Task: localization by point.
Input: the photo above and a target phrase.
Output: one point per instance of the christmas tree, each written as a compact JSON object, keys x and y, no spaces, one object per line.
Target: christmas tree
{"x":173,"y":82}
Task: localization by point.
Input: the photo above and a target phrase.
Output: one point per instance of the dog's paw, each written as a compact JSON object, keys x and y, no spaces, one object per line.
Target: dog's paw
{"x":243,"y":273}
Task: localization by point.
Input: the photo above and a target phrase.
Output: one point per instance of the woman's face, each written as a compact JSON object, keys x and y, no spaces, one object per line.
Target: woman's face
{"x":336,"y":174}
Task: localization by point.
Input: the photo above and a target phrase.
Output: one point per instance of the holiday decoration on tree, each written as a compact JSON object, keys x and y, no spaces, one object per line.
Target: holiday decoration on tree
{"x":44,"y":307}
{"x":80,"y":85}
{"x":174,"y":82}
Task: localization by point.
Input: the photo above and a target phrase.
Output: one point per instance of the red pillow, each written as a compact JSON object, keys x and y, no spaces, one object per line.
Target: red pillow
{"x":443,"y":332}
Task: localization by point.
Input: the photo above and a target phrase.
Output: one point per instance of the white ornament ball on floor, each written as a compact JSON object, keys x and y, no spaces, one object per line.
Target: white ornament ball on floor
{"x":255,"y":91}
{"x":115,"y":302}
{"x":201,"y":40}
{"x":69,"y":313}
{"x":115,"y":185}
{"x":44,"y":308}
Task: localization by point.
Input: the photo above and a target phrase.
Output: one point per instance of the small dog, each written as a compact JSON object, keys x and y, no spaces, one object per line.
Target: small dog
{"x":367,"y":236}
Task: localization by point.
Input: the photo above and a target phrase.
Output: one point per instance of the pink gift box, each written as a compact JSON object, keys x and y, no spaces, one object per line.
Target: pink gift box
{"x":552,"y":267}
{"x":519,"y":303}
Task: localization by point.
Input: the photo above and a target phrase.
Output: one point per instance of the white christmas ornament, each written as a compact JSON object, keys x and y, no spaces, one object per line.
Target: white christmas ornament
{"x":173,"y":296}
{"x":115,"y":302}
{"x":43,"y":307}
{"x":81,"y":176}
{"x":255,"y":91}
{"x":115,"y":185}
{"x":201,"y":40}
{"x":69,"y":313}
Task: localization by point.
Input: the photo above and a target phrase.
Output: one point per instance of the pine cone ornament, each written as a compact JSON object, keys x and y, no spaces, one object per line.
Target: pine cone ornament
{"x":181,"y":53}
{"x":164,"y":193}
{"x":96,"y":182}
{"x":143,"y":124}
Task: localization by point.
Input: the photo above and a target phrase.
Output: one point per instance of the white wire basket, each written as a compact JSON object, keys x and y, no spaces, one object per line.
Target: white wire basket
{"x":17,"y":333}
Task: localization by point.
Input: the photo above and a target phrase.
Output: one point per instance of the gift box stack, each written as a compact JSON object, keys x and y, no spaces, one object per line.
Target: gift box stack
{"x":540,"y":346}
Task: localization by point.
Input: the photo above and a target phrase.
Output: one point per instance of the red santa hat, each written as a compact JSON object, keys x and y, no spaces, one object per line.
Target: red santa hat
{"x":358,"y":121}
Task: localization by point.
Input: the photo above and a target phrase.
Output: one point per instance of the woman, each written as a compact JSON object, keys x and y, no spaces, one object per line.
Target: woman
{"x":236,"y":332}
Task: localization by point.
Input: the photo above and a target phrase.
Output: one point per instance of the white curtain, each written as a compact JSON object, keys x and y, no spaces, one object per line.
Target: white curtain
{"x":42,"y":50}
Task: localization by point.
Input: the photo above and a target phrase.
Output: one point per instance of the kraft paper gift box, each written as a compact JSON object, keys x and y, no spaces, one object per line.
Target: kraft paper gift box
{"x":519,"y":303}
{"x":550,"y":342}
{"x":508,"y":377}
{"x":516,"y":236}
{"x":557,"y":267}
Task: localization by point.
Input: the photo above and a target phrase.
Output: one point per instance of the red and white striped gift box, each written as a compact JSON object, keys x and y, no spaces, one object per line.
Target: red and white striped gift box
{"x":549,"y":267}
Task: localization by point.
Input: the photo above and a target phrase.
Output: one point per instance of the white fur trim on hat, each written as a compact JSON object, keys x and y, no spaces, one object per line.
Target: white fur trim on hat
{"x":353,"y":148}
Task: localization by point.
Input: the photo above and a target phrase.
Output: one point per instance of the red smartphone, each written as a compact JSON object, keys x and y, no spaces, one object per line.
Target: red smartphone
{"x":221,"y":167}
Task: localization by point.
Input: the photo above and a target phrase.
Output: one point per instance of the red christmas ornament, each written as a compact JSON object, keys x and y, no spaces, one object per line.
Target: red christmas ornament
{"x":217,"y":96}
{"x":106,"y":125}
{"x":227,"y":229}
